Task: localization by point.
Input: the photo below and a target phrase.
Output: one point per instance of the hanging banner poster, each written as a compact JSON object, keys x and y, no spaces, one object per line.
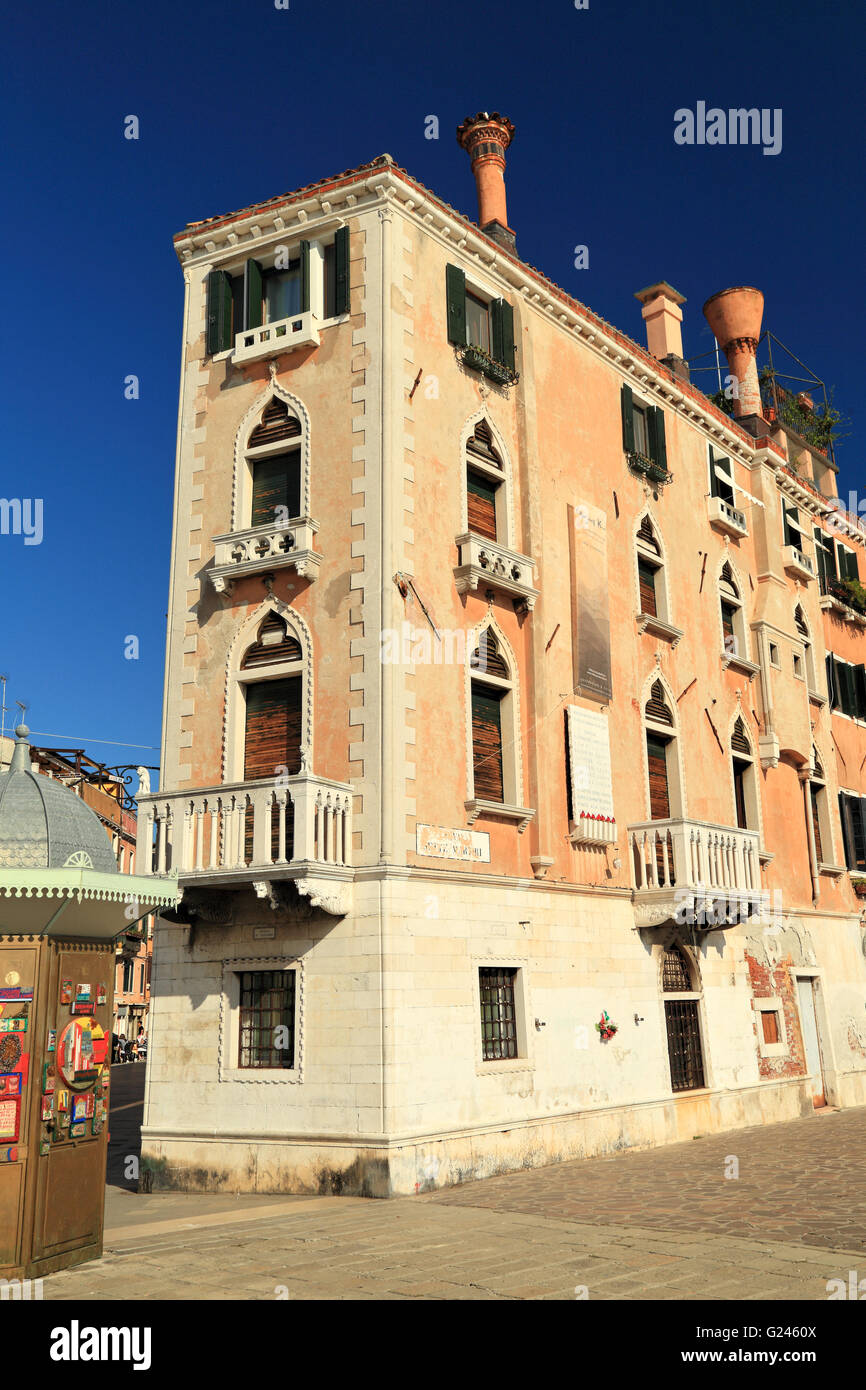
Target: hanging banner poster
{"x":589,"y":601}
{"x":589,"y":762}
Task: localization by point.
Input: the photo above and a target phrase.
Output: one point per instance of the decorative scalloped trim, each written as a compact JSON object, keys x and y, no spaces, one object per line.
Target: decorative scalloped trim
{"x":236,"y":647}
{"x":76,"y":891}
{"x":229,"y":1075}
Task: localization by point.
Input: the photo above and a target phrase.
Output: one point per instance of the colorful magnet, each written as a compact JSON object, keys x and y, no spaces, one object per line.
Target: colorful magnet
{"x":47,"y":1107}
{"x":88,"y":1105}
{"x":49,"y":1076}
{"x":51,"y":1041}
{"x":44,"y":1146}
{"x":9,"y":1155}
{"x":78,"y":1131}
{"x":15,"y":993}
{"x":82,"y":994}
{"x":95,"y":1126}
{"x":101,"y":994}
{"x":66,"y":991}
{"x":62,"y":1100}
{"x":10,"y":1085}
{"x":79,"y":1109}
{"x":11,"y":1048}
{"x":14,"y":1025}
{"x":9,"y":1112}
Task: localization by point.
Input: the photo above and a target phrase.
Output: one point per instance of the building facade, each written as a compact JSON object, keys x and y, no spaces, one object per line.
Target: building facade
{"x":514,"y":719}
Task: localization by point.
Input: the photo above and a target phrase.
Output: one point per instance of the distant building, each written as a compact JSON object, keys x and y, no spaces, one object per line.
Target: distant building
{"x":514,"y":746}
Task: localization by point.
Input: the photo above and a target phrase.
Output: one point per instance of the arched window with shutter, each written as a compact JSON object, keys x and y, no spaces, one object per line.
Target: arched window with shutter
{"x":820,"y":810}
{"x":745,"y":785}
{"x":802,"y":627}
{"x":663,"y":769}
{"x":734,"y":643}
{"x":494,"y":734}
{"x":269,"y":691}
{"x":274,"y":460}
{"x":652,"y":586}
{"x":485,"y":485}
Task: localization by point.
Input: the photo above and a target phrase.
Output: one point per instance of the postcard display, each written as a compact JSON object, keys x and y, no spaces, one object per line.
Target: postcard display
{"x":55,"y":1062}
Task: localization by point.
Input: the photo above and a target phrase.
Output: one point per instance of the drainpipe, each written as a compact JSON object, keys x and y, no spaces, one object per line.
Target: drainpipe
{"x":805,"y":775}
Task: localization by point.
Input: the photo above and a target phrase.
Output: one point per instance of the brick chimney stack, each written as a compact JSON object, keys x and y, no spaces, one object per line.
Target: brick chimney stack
{"x":485,"y":138}
{"x":735,"y":317}
{"x":663,"y":315}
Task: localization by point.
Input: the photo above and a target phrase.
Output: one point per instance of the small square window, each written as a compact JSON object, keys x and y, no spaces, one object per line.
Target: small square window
{"x":770,"y":1026}
{"x":798,"y":665}
{"x":498,"y":1014}
{"x":774,"y":656}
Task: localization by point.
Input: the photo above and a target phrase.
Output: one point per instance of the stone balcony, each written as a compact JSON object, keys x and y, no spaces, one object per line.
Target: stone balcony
{"x":487,"y":563}
{"x":694,"y":872}
{"x":262,"y":549}
{"x":726,"y":518}
{"x":797,"y":563}
{"x":242,"y":833}
{"x":270,"y":339}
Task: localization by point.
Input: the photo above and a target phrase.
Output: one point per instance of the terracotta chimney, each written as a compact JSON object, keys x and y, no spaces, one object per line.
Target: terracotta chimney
{"x":663,"y":315}
{"x":485,"y":138}
{"x":735,"y":318}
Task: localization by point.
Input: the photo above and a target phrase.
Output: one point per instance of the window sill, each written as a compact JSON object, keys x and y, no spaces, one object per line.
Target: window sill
{"x":260,"y":549}
{"x":652,"y":471}
{"x":482,"y":561}
{"x":835,"y":605}
{"x":511,"y":1064}
{"x":476,"y":807}
{"x":739,"y":663}
{"x":284,"y":1076}
{"x":648,"y":622}
{"x":831,"y":870}
{"x":477,"y":360}
{"x":816,"y":698}
{"x":797,"y":563}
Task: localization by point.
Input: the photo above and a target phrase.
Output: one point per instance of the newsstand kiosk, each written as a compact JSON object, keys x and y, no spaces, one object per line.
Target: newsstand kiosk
{"x":63,"y":902}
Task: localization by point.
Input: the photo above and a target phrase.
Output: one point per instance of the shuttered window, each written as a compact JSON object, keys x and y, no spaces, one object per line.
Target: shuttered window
{"x":852,"y":810}
{"x":660,"y":804}
{"x":481,"y":505}
{"x":219,"y":311}
{"x":277,"y":423}
{"x":656,"y":706}
{"x":480,"y":445}
{"x":276,"y":483}
{"x":815,"y":793}
{"x":487,"y":742}
{"x":477,"y":322}
{"x":273,"y":727}
{"x":647,"y":579}
{"x":740,"y":771}
{"x":721,"y":481}
{"x":729,"y":614}
{"x":273,"y":643}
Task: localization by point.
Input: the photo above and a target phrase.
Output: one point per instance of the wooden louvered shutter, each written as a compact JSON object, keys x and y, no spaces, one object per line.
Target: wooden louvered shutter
{"x":305,"y":276}
{"x":627,"y":405}
{"x":849,"y":568}
{"x":219,"y":311}
{"x":816,"y":824}
{"x":481,"y":505}
{"x":276,"y":424}
{"x":740,"y":769}
{"x":656,"y":708}
{"x":341,"y":271}
{"x":455,"y":294}
{"x":647,"y":578}
{"x":252,"y":295}
{"x":656,"y":432}
{"x":273,"y":727}
{"x":276,"y":483}
{"x":739,"y":742}
{"x":860,"y":691}
{"x":849,"y":694}
{"x":660,"y":803}
{"x":502,"y":332}
{"x":487,"y":742}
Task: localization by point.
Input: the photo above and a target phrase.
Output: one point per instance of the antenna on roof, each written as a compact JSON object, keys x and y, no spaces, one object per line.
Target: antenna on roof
{"x":3,"y":680}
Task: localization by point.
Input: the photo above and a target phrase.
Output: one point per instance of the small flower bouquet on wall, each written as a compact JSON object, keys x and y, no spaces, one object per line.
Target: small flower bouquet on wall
{"x":605,"y":1028}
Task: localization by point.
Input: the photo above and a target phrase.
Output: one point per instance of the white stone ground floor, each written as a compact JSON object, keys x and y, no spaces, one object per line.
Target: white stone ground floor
{"x":389,"y":1091}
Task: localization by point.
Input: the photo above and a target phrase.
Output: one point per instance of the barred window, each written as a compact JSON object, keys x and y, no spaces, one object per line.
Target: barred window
{"x":267,"y":1019}
{"x":498,"y":1018}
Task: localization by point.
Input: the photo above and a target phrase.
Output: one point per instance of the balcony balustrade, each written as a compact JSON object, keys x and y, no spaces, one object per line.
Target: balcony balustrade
{"x":264,"y":548}
{"x":284,"y":335}
{"x":487,"y":562}
{"x":695,"y":872}
{"x":245,"y":830}
{"x":726,"y":518}
{"x":797,"y":563}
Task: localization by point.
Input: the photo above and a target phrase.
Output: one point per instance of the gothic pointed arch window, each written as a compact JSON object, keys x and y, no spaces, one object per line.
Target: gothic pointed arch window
{"x":493,"y":722}
{"x":652,"y":588}
{"x":803,"y":632}
{"x":665,"y":798}
{"x":681,"y":997}
{"x":272,"y":680}
{"x":820,"y":809}
{"x":745,"y":778}
{"x":273,"y":455}
{"x":485,"y":486}
{"x":734,"y":643}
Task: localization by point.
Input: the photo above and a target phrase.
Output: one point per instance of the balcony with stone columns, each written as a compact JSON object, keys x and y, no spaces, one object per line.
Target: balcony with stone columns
{"x":263,"y":549}
{"x":254,"y":833}
{"x":487,"y":564}
{"x":696,"y":873}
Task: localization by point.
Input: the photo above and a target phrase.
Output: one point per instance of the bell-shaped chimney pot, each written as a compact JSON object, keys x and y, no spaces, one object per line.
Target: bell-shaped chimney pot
{"x":735,"y":317}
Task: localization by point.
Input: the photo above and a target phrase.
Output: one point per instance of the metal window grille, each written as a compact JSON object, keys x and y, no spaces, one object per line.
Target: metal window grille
{"x":498,"y":1020}
{"x":267,"y":1004}
{"x":684,"y":1044}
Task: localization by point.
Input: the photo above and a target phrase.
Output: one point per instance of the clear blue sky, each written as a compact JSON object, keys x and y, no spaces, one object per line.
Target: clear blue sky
{"x":239,"y":101}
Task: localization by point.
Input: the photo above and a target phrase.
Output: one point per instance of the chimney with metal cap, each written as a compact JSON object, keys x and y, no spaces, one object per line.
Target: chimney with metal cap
{"x":735,"y":317}
{"x":663,"y":315}
{"x":485,"y":138}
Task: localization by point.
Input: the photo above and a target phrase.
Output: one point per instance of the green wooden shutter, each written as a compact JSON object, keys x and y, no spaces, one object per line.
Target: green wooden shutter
{"x":849,"y":694}
{"x":502,"y":332}
{"x":860,"y":691}
{"x":219,"y":311}
{"x":820,"y":558}
{"x":276,"y":483}
{"x":656,"y":430}
{"x":849,"y":565}
{"x":455,"y":295}
{"x":832,"y":687}
{"x":252,"y":295}
{"x":341,"y":256}
{"x":627,"y":402}
{"x":305,"y":276}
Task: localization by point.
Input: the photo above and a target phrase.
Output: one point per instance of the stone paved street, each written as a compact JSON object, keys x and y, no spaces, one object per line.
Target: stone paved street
{"x":662,"y":1224}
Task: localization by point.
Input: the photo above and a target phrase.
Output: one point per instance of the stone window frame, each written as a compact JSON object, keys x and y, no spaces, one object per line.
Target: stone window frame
{"x":229,"y":1028}
{"x":677,"y":795}
{"x":772,"y":1004}
{"x":659,"y":561}
{"x":242,"y":473}
{"x":505,"y":528}
{"x":237,"y":677}
{"x":524,"y":1061}
{"x":510,"y":723}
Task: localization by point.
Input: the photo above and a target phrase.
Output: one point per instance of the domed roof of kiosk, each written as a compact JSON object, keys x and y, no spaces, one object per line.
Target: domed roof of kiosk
{"x":44,"y":825}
